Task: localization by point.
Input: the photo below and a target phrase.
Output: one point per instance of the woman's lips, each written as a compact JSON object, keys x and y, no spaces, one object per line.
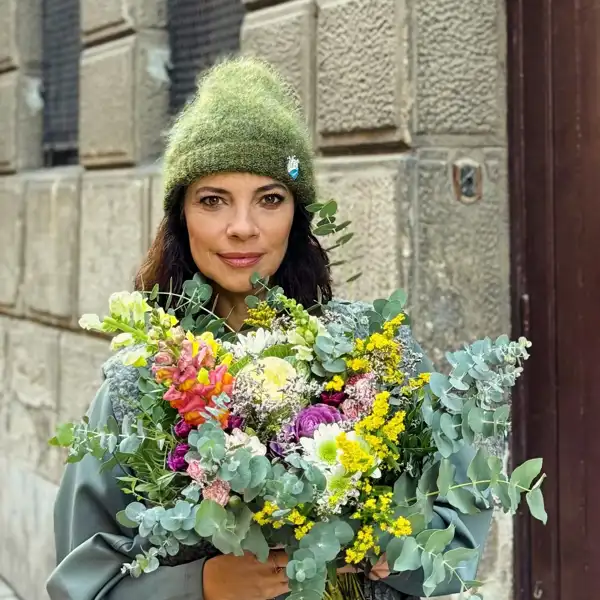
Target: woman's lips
{"x":240,"y":260}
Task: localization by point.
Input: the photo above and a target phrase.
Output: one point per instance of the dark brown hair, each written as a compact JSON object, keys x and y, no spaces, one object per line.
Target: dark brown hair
{"x":303,"y":271}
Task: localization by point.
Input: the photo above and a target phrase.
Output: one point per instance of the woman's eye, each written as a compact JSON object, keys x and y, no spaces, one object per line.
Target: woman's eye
{"x":210,"y":201}
{"x":272,"y":199}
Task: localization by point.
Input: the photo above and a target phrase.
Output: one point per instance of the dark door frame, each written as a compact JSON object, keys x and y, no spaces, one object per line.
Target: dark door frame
{"x":554,"y":156}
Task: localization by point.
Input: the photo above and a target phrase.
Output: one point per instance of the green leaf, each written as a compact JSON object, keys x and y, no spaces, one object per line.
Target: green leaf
{"x":501,"y":491}
{"x":215,"y":325}
{"x":461,"y":499}
{"x":476,"y":419}
{"x":405,"y":489}
{"x":446,"y":476}
{"x":392,"y":310}
{"x":403,"y":554}
{"x":343,"y":226}
{"x":438,"y":574}
{"x":329,"y":209}
{"x":255,"y":278}
{"x":256,"y":543}
{"x":439,"y":384}
{"x":448,"y":427}
{"x":227,"y":542}
{"x":210,"y":517}
{"x":399,"y":296}
{"x":440,"y":540}
{"x":456,"y":556}
{"x":315,"y":207}
{"x":354,"y":277}
{"x":252,"y":301}
{"x":124,"y":520}
{"x":335,"y":366}
{"x":496,"y":466}
{"x":515,"y":497}
{"x":524,"y":474}
{"x":325,"y":343}
{"x":345,"y":239}
{"x":259,"y":468}
{"x":428,"y":480}
{"x":479,"y":470}
{"x":535,"y":501}
{"x":343,"y":532}
{"x":324,"y":230}
{"x":64,"y":434}
{"x":243,"y":520}
{"x":379,"y":305}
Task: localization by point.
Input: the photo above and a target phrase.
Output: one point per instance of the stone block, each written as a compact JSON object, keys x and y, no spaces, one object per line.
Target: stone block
{"x":113,"y":18}
{"x":20,"y":122}
{"x":12,"y":208}
{"x":21,"y":35}
{"x":81,"y":360}
{"x":362,"y":73}
{"x":292,"y":50}
{"x":51,"y":253}
{"x":463,"y":252}
{"x":114,"y":226}
{"x":460,"y":67}
{"x":124,"y":100}
{"x":374,"y":193}
{"x":157,"y":211}
{"x":4,"y":325}
{"x":33,"y":364}
{"x":26,"y":520}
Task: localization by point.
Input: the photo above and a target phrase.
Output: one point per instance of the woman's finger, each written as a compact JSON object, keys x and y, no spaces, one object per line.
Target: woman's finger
{"x":380,"y":570}
{"x":279,"y":559}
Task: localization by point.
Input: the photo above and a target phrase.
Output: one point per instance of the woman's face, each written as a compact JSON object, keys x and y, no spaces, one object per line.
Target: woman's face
{"x":238,"y":224}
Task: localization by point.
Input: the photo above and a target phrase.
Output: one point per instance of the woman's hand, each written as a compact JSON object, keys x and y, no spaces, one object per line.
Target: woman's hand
{"x":231,"y":577}
{"x":380,"y":569}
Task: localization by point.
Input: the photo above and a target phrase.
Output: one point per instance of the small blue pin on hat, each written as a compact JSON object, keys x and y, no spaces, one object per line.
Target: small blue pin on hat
{"x":293,"y":167}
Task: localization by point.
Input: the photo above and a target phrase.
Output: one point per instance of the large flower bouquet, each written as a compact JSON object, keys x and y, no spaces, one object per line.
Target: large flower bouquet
{"x":307,"y":430}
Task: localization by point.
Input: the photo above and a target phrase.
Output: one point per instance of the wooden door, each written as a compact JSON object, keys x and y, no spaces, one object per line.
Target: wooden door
{"x":554,"y":147}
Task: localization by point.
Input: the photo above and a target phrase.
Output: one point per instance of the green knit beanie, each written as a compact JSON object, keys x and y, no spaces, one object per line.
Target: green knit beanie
{"x":243,"y":118}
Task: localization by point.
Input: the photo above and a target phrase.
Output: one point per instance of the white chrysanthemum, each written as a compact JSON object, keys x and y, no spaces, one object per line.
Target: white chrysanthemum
{"x":258,"y":341}
{"x":322,"y":449}
{"x":239,"y":439}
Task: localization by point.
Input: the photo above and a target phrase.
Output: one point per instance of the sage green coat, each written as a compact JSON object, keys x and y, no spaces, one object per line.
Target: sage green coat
{"x":91,"y":546}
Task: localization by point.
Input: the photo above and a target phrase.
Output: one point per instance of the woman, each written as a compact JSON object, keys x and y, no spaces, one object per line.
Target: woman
{"x":238,"y":178}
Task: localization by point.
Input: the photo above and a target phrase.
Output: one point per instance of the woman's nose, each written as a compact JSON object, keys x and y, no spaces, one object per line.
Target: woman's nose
{"x":242,"y":225}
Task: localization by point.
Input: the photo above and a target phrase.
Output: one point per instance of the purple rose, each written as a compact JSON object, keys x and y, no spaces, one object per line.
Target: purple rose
{"x":333,"y":398}
{"x":309,"y":419}
{"x":182,"y":429}
{"x":235,"y":422}
{"x":176,"y":458}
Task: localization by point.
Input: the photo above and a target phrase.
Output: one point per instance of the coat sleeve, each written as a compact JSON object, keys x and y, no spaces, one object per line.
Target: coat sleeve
{"x":471,"y":530}
{"x":91,"y":546}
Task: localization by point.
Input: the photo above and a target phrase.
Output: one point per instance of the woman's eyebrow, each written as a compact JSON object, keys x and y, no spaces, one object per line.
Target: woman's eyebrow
{"x":271,"y":186}
{"x":213,"y":190}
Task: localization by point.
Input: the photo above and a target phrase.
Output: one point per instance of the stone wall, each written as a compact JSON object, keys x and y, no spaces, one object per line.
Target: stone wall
{"x":407,"y":104}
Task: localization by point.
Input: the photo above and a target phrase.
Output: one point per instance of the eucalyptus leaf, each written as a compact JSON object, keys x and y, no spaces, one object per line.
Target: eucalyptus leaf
{"x":124,"y":520}
{"x":440,"y":539}
{"x":403,"y":554}
{"x":457,"y":556}
{"x":461,"y":499}
{"x":437,"y":576}
{"x":535,"y":501}
{"x":404,"y":489}
{"x":210,"y":517}
{"x":446,"y":476}
{"x":256,"y":543}
{"x":479,"y":471}
{"x":524,"y":474}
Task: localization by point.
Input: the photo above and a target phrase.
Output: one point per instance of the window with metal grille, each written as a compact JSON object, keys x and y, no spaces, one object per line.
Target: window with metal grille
{"x":61,"y":49}
{"x":200,"y":32}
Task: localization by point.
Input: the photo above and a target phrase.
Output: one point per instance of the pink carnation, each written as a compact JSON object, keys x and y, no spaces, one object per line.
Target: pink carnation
{"x":196,"y":472}
{"x":218,"y":491}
